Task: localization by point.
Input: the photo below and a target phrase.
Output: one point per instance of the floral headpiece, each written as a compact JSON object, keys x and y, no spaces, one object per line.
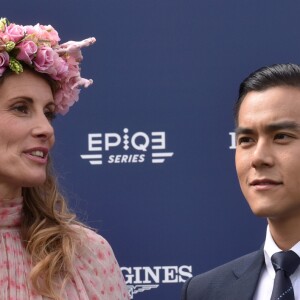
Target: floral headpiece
{"x":37,"y":46}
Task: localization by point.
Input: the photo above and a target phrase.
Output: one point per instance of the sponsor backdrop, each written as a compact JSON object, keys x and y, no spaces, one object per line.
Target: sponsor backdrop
{"x":147,"y":155}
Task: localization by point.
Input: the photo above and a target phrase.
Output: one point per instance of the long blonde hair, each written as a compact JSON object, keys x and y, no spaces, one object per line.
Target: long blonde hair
{"x":49,"y":236}
{"x":46,"y":228}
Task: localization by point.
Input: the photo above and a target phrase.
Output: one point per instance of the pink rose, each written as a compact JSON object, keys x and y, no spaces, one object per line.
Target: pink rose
{"x":72,"y":49}
{"x":73,"y":64}
{"x":15,"y":32}
{"x":74,"y":81}
{"x":59,"y":69}
{"x":27,"y":50}
{"x":44,"y":33}
{"x":50,"y":34}
{"x":65,"y":98}
{"x":4,"y":61}
{"x":44,"y":59}
{"x":73,"y":71}
{"x":29,"y":29}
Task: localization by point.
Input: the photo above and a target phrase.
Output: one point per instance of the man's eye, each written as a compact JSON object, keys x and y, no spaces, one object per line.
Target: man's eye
{"x":244,"y":140}
{"x":281,"y":136}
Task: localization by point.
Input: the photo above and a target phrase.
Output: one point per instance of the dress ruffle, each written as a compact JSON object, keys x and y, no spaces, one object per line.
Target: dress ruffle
{"x":97,"y":273}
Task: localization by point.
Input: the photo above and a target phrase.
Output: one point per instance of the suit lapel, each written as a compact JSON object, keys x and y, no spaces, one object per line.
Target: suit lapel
{"x":246,"y":276}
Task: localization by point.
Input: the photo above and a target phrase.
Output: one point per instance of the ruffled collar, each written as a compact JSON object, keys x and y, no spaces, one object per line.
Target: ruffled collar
{"x":10,"y":212}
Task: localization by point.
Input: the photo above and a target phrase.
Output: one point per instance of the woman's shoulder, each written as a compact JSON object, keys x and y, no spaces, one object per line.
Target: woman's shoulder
{"x":90,"y":240}
{"x":97,"y":265}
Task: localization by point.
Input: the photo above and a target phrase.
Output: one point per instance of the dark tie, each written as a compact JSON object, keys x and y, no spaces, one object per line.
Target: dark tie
{"x":285,"y":263}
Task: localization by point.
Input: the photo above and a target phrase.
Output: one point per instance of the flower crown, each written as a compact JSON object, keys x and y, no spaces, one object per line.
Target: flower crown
{"x":37,"y":46}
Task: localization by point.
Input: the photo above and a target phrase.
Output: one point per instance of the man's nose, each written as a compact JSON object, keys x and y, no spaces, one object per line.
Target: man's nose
{"x":262,"y":155}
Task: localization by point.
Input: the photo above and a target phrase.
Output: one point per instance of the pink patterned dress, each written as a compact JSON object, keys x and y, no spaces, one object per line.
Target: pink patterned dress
{"x":97,"y":273}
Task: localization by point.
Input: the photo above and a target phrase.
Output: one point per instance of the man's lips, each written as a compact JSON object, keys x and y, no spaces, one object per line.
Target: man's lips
{"x":265,"y":182}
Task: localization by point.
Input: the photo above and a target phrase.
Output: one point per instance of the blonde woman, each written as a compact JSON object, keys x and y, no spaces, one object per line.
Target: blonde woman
{"x":44,"y":252}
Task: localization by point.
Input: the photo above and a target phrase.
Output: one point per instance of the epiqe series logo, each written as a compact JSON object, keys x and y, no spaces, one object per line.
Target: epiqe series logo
{"x":127,"y":148}
{"x":142,"y":279}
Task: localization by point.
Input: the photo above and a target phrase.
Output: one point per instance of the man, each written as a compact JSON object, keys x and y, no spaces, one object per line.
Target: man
{"x":267,"y":161}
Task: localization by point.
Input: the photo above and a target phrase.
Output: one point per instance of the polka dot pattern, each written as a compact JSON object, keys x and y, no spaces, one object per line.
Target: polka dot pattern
{"x":97,"y":273}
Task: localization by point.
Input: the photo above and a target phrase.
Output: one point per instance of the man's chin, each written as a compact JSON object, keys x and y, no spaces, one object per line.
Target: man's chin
{"x":262,"y":212}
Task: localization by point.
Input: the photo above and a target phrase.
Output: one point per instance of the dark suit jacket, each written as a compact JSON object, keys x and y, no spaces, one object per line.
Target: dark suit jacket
{"x":236,"y":280}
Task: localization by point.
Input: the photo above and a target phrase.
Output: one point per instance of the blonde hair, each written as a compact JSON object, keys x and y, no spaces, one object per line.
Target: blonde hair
{"x":49,"y":236}
{"x":46,"y":228}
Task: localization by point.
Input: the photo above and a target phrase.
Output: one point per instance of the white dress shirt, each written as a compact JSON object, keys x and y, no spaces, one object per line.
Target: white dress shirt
{"x":266,"y":280}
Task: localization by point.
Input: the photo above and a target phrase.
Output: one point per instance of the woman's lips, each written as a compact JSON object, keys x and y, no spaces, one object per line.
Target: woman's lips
{"x":37,"y":154}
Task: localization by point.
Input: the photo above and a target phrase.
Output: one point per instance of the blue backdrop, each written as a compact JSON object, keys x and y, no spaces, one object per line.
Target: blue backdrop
{"x":161,"y":183}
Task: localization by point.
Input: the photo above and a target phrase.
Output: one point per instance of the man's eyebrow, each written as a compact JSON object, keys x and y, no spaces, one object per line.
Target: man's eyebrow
{"x":283,"y":125}
{"x":243,"y":130}
{"x":270,"y":127}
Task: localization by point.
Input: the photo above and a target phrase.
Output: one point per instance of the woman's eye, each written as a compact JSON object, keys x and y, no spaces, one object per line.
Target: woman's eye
{"x":50,"y":115}
{"x":21,"y":108}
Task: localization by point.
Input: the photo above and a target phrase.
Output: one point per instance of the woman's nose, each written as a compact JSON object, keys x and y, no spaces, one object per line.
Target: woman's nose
{"x":42,"y":127}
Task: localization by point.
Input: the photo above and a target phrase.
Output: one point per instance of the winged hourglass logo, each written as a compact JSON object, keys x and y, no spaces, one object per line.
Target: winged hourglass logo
{"x":134,"y":289}
{"x":141,"y":279}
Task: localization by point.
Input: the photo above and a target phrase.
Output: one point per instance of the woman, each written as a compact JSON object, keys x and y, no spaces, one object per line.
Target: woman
{"x":44,"y":252}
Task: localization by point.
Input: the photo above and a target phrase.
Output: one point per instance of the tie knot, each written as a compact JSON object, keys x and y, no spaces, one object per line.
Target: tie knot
{"x":287,"y":261}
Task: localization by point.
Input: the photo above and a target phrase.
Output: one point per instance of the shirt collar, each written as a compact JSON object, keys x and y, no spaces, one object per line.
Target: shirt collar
{"x":270,"y":248}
